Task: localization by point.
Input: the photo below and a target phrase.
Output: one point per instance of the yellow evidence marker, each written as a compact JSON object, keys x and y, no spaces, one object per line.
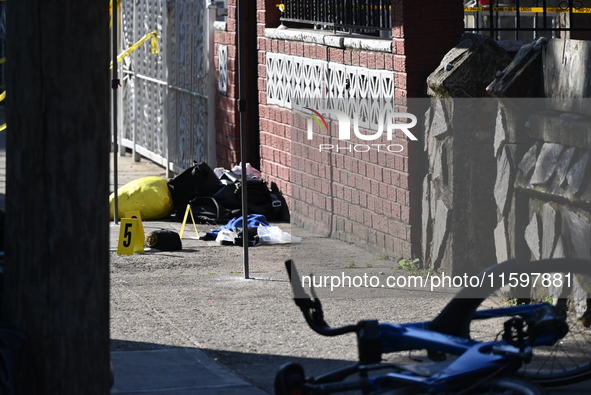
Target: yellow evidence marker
{"x":187,"y":212}
{"x":127,"y":233}
{"x":139,"y":238}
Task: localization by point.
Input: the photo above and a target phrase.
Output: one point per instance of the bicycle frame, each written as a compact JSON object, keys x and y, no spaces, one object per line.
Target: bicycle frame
{"x":475,"y":360}
{"x":524,"y":311}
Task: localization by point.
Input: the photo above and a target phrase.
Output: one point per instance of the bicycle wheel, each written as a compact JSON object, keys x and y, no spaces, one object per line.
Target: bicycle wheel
{"x":507,"y":386}
{"x":495,"y":386}
{"x":289,"y":379}
{"x":568,"y":360}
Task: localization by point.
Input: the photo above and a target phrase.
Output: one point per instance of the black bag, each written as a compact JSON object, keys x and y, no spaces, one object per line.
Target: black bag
{"x":208,"y":210}
{"x":164,"y":240}
{"x":260,"y":199}
{"x":227,"y":197}
{"x":198,"y":180}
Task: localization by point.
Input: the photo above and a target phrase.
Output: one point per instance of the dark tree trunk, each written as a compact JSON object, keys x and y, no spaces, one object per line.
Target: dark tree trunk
{"x":57,"y":243}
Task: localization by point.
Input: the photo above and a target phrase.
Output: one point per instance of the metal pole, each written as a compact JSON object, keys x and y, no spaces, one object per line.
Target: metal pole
{"x":240,"y":15}
{"x":211,"y":90}
{"x":114,"y":86}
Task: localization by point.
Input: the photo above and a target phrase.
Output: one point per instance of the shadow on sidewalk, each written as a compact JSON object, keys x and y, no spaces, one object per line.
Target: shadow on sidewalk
{"x":141,"y":367}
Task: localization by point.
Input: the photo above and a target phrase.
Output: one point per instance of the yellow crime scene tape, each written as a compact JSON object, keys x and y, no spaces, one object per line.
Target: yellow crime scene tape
{"x":154,"y":44}
{"x":538,"y":10}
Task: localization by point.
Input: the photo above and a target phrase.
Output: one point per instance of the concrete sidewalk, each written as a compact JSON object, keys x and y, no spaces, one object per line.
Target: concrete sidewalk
{"x":188,"y":323}
{"x":175,"y":371}
{"x":182,"y":328}
{"x":167,"y":370}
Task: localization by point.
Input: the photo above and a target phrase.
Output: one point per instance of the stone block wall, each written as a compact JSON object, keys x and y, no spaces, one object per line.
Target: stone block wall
{"x":523,"y":189}
{"x":542,"y":146}
{"x":543,"y":192}
{"x":458,"y":206}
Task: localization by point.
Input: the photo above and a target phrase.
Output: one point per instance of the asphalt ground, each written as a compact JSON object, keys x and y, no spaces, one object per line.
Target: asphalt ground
{"x":189,"y":322}
{"x":198,"y":299}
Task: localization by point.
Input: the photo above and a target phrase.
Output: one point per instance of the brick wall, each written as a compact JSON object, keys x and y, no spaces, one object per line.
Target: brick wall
{"x":227,"y":118}
{"x":365,"y":198}
{"x":227,"y":115}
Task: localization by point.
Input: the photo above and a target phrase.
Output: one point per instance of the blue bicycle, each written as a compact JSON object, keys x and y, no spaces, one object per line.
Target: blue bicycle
{"x":525,"y":328}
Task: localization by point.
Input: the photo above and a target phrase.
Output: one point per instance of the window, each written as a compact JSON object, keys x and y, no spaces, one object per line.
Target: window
{"x":370,"y":17}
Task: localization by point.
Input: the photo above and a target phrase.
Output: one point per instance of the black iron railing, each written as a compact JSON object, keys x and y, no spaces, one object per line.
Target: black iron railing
{"x":527,"y":19}
{"x":366,"y":17}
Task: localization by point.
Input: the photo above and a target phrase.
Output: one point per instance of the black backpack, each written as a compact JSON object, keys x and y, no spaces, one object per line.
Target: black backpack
{"x":197,"y":180}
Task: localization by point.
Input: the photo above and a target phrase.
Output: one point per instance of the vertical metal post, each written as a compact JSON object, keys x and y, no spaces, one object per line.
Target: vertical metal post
{"x":211,"y":86}
{"x":240,"y":16}
{"x":114,"y":86}
{"x":492,"y":19}
{"x":570,"y":17}
{"x":544,"y":22}
{"x":518,"y":21}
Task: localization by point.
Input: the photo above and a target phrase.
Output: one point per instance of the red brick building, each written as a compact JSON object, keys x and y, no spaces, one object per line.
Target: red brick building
{"x":367,"y":198}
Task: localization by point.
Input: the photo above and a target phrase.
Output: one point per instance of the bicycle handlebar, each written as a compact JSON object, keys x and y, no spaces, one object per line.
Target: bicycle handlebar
{"x":311,"y":306}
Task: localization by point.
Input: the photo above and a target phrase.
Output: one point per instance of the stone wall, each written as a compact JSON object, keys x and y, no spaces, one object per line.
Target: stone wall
{"x":543,"y":149}
{"x":525,"y":185}
{"x":458,"y":205}
{"x":542,"y":191}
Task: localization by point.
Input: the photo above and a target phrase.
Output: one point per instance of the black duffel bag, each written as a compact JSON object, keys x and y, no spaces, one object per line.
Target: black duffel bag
{"x":260,"y":199}
{"x":198,"y":180}
{"x":207,"y":210}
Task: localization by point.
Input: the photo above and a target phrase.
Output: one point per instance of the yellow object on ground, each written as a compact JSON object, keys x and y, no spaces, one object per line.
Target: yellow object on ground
{"x":127,"y":234}
{"x":148,"y":195}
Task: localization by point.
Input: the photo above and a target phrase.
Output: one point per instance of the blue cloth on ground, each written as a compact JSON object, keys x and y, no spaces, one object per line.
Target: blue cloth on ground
{"x":252,"y":221}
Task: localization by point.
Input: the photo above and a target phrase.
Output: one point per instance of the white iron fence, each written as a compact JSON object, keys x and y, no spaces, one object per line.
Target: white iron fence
{"x":166,"y":115}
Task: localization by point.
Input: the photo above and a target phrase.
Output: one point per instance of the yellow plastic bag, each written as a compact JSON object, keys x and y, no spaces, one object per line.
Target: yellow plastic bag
{"x":148,"y":195}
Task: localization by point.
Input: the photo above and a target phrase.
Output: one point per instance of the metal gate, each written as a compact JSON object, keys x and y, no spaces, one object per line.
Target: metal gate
{"x":166,"y":116}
